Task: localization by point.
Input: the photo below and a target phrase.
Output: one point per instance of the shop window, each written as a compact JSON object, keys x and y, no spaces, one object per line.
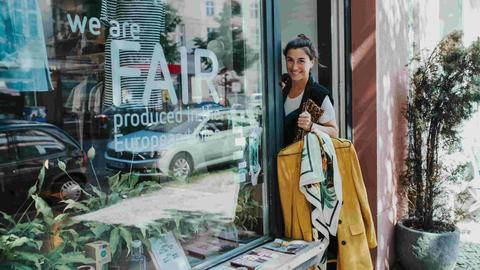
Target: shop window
{"x":122,"y":92}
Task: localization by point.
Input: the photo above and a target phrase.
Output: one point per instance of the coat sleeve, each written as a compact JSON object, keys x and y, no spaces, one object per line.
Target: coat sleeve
{"x":363,"y":199}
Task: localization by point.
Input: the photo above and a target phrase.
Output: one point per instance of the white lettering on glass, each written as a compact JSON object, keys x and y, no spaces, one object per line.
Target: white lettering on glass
{"x":205,"y":76}
{"x":158,"y":58}
{"x":76,"y":24}
{"x":118,"y":71}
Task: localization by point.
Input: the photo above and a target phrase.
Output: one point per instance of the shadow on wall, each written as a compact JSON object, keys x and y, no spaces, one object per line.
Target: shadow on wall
{"x":393,"y":53}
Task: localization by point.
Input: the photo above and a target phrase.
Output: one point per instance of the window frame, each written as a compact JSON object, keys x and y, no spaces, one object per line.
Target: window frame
{"x":210,"y":8}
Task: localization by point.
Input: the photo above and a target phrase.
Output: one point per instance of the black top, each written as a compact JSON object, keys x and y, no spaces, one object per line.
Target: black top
{"x":315,"y":92}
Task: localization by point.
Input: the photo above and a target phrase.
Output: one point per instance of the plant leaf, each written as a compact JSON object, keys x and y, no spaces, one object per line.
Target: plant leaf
{"x":19,"y":242}
{"x":114,"y":240}
{"x":102,"y":195}
{"x":99,"y":228}
{"x":36,"y":258}
{"x":71,"y":204}
{"x":32,"y":190}
{"x":62,"y":166}
{"x":43,"y":208}
{"x":75,"y":257}
{"x":127,"y":236}
{"x":113,"y":181}
{"x":60,"y":217}
{"x":62,"y":267}
{"x":38,"y":244}
{"x":7,"y":217}
{"x":41,"y":177}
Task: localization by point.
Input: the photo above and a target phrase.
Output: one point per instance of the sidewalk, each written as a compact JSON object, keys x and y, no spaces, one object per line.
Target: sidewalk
{"x":469,"y":256}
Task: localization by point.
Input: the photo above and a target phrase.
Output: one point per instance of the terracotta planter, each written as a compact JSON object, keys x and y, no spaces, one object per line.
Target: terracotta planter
{"x":418,"y":250}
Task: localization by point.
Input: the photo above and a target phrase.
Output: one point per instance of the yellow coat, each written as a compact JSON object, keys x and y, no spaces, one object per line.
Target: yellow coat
{"x":356,"y":231}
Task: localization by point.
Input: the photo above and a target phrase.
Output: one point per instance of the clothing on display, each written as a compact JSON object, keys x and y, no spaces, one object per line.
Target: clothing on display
{"x":355,"y":231}
{"x":149,"y":15}
{"x":95,"y":98}
{"x":254,"y":141}
{"x":75,"y":101}
{"x":23,"y":55}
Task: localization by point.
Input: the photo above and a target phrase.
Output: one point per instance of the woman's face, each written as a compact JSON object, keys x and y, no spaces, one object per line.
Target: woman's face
{"x":298,"y":64}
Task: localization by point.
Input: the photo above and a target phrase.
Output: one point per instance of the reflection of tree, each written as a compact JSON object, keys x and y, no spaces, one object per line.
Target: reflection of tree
{"x":167,"y":40}
{"x":237,"y":55}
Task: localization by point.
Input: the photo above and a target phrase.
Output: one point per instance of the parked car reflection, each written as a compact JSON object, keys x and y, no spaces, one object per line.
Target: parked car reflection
{"x":24,"y":146}
{"x":201,"y":138}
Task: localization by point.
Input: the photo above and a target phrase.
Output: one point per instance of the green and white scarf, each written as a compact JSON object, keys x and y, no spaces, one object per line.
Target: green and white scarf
{"x":321,"y":184}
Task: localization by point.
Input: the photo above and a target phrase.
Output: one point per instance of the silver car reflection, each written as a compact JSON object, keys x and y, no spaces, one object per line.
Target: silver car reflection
{"x":197,"y":139}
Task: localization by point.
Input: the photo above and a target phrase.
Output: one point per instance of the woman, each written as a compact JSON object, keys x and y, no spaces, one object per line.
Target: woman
{"x":300,"y":56}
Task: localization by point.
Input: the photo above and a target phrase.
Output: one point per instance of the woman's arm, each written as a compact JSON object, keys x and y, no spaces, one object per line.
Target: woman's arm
{"x":329,"y":127}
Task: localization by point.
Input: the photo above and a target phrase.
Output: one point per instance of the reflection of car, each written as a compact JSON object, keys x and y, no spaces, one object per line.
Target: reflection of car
{"x":201,"y":138}
{"x":24,"y":146}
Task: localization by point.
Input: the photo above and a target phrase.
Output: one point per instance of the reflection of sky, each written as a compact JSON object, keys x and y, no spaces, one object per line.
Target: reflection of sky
{"x":214,"y":194}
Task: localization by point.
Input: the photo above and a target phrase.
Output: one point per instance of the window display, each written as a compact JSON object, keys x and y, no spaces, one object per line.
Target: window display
{"x":134,"y":136}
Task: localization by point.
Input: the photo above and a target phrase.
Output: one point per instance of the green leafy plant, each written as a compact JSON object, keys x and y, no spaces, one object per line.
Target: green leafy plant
{"x":247,"y":208}
{"x":28,"y":244}
{"x":443,"y":93}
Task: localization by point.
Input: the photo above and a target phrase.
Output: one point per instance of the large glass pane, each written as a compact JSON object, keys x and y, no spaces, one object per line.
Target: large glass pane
{"x":34,"y":143}
{"x":151,"y":116}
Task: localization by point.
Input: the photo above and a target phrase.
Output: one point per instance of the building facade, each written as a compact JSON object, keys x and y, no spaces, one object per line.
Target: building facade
{"x":161,"y":119}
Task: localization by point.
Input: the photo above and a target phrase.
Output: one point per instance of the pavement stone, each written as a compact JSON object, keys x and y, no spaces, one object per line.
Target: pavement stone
{"x":469,"y":256}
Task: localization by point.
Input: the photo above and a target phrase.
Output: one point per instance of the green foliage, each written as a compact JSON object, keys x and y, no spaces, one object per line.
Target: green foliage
{"x":169,"y":45}
{"x":444,"y":92}
{"x":247,"y":208}
{"x":28,"y":244}
{"x":236,"y":54}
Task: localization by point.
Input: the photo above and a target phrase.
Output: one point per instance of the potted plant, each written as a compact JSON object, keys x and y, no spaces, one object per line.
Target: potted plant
{"x":443,"y":93}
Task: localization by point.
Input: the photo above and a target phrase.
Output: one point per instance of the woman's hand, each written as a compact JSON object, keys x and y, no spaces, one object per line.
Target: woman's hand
{"x":305,"y":121}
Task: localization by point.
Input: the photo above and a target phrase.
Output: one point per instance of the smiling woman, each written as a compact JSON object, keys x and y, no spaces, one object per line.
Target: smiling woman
{"x":301,"y":88}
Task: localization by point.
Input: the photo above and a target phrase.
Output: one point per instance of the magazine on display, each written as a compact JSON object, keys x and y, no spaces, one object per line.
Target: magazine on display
{"x":289,"y":247}
{"x":254,"y":259}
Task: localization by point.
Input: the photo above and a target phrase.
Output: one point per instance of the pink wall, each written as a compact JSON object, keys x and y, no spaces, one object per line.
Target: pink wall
{"x":380,"y":51}
{"x":364,"y":111}
{"x":393,"y":50}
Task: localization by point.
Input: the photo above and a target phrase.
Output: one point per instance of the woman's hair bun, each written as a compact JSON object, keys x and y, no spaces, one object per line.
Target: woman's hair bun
{"x":304,"y":43}
{"x":303,"y":36}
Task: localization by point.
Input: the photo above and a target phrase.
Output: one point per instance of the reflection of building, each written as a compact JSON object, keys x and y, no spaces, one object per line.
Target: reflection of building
{"x":23,"y":57}
{"x":199,"y":19}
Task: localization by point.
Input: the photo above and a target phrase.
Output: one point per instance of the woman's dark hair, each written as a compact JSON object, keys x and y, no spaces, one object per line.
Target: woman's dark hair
{"x":302,"y":42}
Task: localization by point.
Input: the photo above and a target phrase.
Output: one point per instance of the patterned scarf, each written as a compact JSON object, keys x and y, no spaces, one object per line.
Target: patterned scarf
{"x":321,"y":184}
